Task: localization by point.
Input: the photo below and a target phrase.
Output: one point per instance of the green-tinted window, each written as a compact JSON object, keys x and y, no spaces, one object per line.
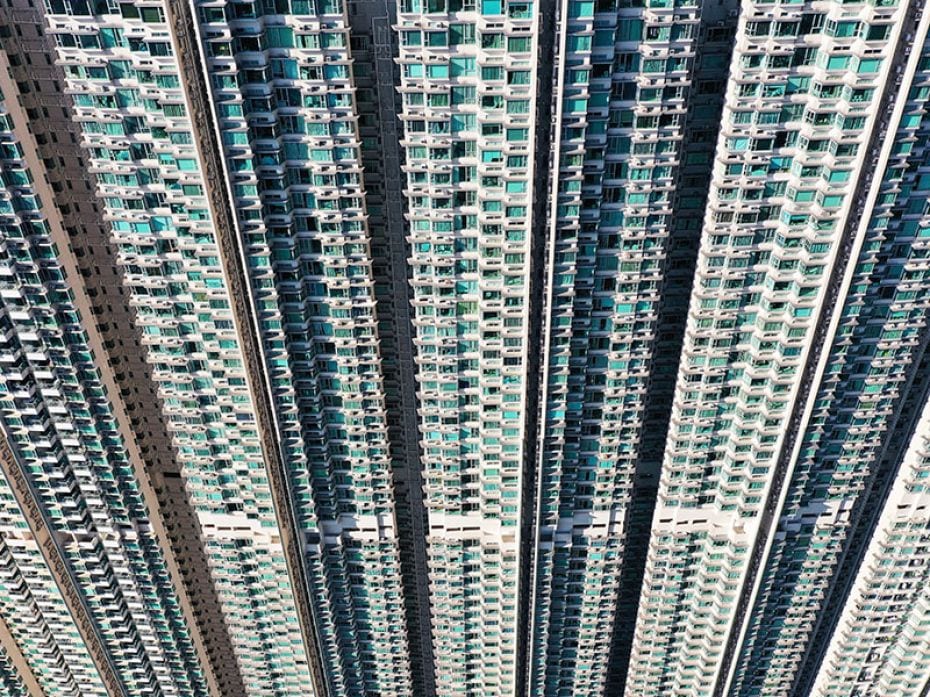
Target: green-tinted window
{"x":461,"y":34}
{"x":581,"y":8}
{"x":280,"y":37}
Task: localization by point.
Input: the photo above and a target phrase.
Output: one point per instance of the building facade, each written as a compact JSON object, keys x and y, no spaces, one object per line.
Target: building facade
{"x":463,"y":348}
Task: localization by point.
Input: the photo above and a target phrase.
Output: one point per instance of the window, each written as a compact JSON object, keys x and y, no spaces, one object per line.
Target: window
{"x":869,"y":65}
{"x":461,"y":34}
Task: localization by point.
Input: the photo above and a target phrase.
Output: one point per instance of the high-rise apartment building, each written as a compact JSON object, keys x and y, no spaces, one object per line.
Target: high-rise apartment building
{"x":468,"y":90}
{"x":464,"y":348}
{"x":98,"y":606}
{"x":878,"y":647}
{"x":787,"y":209}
